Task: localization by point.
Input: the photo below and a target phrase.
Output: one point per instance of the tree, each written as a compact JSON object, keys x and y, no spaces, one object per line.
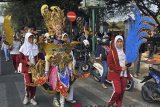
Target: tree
{"x":146,"y":8}
{"x":24,"y":13}
{"x":115,"y":8}
{"x":27,"y":12}
{"x":121,"y":7}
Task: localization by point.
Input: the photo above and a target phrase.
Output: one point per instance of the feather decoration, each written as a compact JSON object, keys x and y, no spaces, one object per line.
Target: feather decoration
{"x":137,"y":33}
{"x":8,"y":30}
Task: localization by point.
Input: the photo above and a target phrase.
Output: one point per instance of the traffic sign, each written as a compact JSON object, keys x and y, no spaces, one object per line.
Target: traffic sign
{"x":71,"y":16}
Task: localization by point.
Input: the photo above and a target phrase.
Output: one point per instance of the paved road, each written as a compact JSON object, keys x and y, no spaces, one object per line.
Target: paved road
{"x":87,"y":92}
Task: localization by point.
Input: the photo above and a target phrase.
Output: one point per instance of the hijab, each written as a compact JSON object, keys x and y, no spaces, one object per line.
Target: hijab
{"x":121,"y":54}
{"x":120,"y":51}
{"x":65,"y":34}
{"x":29,"y":49}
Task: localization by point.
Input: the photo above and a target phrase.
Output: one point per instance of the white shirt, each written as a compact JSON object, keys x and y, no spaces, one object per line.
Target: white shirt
{"x":4,"y":46}
{"x":15,"y":47}
{"x":86,"y":36}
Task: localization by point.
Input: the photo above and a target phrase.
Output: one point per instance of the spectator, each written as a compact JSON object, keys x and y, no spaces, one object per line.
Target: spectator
{"x":28,"y":57}
{"x":98,"y":48}
{"x":82,"y":37}
{"x":65,"y":38}
{"x":5,"y":48}
{"x":138,"y":61}
{"x":15,"y":53}
{"x":103,"y":56}
{"x":118,"y":74}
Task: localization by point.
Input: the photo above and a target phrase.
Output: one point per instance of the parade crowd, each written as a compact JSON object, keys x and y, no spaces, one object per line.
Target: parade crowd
{"x":54,"y":49}
{"x":26,"y":52}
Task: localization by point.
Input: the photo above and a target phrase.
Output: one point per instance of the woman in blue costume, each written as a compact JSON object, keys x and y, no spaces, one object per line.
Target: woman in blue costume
{"x":58,"y":61}
{"x":59,"y":77}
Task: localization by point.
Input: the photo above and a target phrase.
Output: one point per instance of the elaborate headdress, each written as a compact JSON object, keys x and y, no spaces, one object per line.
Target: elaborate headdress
{"x":53,"y":17}
{"x":137,"y":32}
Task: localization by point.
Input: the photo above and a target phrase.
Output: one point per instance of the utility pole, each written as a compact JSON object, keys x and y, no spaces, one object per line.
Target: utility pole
{"x":93,"y":30}
{"x":93,"y":4}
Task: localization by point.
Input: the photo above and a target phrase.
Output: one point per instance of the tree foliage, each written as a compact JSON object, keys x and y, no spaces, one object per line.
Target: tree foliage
{"x":146,"y":7}
{"x":27,"y":12}
{"x":115,"y":8}
{"x":121,"y":7}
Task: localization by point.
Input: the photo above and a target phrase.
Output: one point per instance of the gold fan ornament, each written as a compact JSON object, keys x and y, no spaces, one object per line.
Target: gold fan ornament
{"x":54,"y":18}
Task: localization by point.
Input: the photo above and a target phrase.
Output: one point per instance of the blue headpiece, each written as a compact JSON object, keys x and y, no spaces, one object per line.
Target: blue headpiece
{"x":137,"y":30}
